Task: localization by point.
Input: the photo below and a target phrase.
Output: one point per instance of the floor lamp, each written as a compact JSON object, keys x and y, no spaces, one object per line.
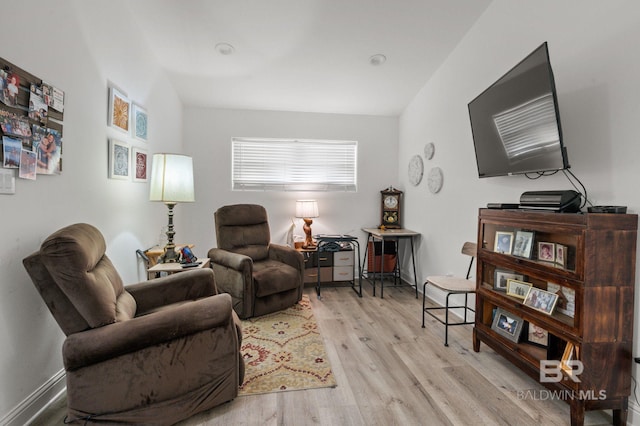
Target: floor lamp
{"x":171,"y":183}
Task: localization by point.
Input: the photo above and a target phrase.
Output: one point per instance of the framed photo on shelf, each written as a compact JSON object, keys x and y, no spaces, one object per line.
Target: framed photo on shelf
{"x":537,"y":335}
{"x":561,"y":255}
{"x":119,"y":108}
{"x":504,"y":242}
{"x":541,"y":300}
{"x":566,"y":299}
{"x":518,"y":289}
{"x":546,"y":251}
{"x":501,"y":276}
{"x":139,"y":119}
{"x":140,"y":163}
{"x":507,"y":325}
{"x":523,"y":245}
{"x":119,"y":160}
{"x":570,"y":353}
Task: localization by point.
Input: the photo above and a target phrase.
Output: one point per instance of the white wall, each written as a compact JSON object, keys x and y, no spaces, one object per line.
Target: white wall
{"x":595,"y":58}
{"x":207,"y":137}
{"x":77,"y":46}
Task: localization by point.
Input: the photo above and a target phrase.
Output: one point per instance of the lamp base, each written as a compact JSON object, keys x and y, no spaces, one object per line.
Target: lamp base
{"x":170,"y":255}
{"x":308,"y":242}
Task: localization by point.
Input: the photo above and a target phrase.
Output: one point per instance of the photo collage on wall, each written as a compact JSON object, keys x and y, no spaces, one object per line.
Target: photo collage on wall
{"x":31,"y":138}
{"x":127,"y":161}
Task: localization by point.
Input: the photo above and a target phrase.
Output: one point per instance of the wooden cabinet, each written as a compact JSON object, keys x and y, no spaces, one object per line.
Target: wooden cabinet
{"x":591,"y":324}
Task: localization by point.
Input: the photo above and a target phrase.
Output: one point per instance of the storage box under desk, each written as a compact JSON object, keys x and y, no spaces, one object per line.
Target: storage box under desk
{"x":334,"y":266}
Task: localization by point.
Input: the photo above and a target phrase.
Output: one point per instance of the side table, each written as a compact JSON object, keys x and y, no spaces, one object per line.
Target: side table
{"x":337,"y":243}
{"x":174,"y":268}
{"x":155,"y":252}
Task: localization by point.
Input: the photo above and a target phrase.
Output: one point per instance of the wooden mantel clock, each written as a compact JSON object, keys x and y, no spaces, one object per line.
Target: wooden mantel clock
{"x":391,"y":198}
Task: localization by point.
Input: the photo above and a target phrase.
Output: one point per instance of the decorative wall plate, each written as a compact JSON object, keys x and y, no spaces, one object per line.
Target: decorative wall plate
{"x":434,"y":180}
{"x":429,"y":150}
{"x":416,"y":170}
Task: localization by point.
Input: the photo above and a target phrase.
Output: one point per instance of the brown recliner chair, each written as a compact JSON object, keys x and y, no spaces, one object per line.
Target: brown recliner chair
{"x":261,"y":277}
{"x":155,"y":352}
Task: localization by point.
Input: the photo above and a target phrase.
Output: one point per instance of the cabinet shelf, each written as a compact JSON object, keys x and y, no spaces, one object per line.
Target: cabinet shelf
{"x":589,"y":265}
{"x":556,"y":322}
{"x":526,"y":356}
{"x":541,"y":267}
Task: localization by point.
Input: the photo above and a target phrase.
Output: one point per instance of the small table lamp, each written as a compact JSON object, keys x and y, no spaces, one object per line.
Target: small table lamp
{"x":171,"y":183}
{"x":307,"y":209}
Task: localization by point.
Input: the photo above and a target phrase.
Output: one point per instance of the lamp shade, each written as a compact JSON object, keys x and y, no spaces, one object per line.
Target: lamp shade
{"x":307,"y":208}
{"x":172,"y":178}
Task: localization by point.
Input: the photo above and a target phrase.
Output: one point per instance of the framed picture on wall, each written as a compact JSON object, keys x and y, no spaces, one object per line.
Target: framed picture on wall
{"x":139,"y":161}
{"x":119,"y":108}
{"x":119,"y":160}
{"x":139,"y":120}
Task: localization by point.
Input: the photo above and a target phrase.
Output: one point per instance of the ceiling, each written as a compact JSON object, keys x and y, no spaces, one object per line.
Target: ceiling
{"x":303,"y":55}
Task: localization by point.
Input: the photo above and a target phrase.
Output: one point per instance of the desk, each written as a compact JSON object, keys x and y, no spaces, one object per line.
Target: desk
{"x":174,"y":268}
{"x":336,"y":244}
{"x":374,"y":234}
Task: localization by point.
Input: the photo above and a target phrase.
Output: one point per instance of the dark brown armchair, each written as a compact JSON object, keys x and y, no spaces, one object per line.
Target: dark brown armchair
{"x":261,"y":277}
{"x":155,"y":352}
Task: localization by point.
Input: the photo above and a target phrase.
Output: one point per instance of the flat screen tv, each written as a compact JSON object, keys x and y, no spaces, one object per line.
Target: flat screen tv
{"x":515,"y":122}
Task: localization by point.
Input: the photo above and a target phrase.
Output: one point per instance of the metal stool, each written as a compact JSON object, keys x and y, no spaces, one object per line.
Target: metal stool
{"x":451,"y":285}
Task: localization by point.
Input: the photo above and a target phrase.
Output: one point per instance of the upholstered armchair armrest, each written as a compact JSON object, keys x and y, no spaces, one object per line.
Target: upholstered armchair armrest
{"x":288,"y":255}
{"x":228,"y":259}
{"x":188,"y":285}
{"x":99,"y":344}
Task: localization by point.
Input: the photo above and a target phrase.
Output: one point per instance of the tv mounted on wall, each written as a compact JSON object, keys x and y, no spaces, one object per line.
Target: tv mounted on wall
{"x":515,"y":122}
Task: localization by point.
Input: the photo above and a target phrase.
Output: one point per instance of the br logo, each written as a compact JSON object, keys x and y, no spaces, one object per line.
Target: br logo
{"x":551,"y":370}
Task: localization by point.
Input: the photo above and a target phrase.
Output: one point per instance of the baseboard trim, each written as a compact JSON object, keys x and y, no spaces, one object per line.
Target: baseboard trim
{"x":34,"y":404}
{"x":633,"y":416}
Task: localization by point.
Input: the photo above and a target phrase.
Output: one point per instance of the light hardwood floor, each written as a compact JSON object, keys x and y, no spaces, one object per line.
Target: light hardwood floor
{"x":391,"y":371}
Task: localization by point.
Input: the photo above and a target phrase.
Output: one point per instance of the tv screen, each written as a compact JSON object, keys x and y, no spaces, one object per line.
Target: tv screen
{"x":515,"y":122}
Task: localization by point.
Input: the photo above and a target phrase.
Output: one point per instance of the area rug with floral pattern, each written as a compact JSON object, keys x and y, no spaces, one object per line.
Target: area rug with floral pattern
{"x":284,"y":351}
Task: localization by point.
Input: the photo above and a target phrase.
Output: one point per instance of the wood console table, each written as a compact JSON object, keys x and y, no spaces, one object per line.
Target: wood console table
{"x":374,"y":234}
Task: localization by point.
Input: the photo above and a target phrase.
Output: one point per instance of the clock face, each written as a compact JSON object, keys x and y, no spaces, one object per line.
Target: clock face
{"x":391,"y":202}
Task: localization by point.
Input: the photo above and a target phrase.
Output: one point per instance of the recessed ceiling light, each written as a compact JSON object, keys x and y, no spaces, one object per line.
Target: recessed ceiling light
{"x":377,"y":59}
{"x":225,"y":49}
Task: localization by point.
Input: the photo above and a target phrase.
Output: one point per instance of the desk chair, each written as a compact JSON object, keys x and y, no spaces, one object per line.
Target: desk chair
{"x":451,"y":285}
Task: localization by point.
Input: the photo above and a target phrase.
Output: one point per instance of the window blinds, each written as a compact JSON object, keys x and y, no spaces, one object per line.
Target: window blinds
{"x":293,"y":165}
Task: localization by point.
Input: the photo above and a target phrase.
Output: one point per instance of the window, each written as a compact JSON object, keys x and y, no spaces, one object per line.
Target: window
{"x":293,"y":165}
